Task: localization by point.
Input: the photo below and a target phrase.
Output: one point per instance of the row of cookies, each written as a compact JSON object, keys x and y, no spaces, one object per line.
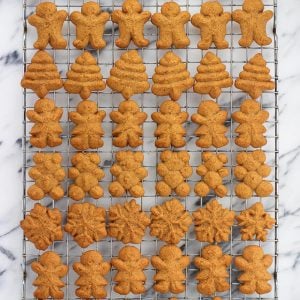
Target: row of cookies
{"x":174,"y":170}
{"x":128,"y":76}
{"x":170,"y":277}
{"x":211,"y":21}
{"x":168,"y":222}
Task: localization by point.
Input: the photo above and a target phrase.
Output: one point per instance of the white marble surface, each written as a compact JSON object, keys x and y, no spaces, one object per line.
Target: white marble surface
{"x":11,"y":129}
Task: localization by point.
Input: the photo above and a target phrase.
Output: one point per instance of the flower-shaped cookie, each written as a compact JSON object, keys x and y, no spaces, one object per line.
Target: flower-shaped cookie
{"x":127,"y":223}
{"x":170,"y":221}
{"x":86,"y":223}
{"x":254,"y":222}
{"x":42,"y":226}
{"x":213,"y":222}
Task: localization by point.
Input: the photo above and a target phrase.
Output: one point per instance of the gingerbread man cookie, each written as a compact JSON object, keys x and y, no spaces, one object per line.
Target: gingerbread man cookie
{"x":89,"y":25}
{"x":131,"y":20}
{"x":48,"y":22}
{"x":171,"y":23}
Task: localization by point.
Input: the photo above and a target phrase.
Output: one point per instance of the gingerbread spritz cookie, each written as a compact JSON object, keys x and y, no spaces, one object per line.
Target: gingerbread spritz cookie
{"x":254,"y":265}
{"x":251,"y":170}
{"x":42,"y":75}
{"x":42,"y":226}
{"x":251,"y":129}
{"x":170,"y":221}
{"x":212,"y":21}
{"x":129,"y":118}
{"x":255,"y":222}
{"x":86,"y":223}
{"x":213,"y":275}
{"x":253,"y":21}
{"x":174,"y":169}
{"x":50,"y":270}
{"x":129,"y":174}
{"x":131,"y":20}
{"x":46,"y":130}
{"x":86,"y":175}
{"x":88,"y":131}
{"x":211,"y":120}
{"x":169,"y":119}
{"x":48,"y":175}
{"x":170,"y":265}
{"x":91,"y":270}
{"x":130,"y":277}
{"x":89,"y":25}
{"x":171,"y":77}
{"x":213,"y":222}
{"x":128,"y":76}
{"x":48,"y":22}
{"x":212,"y":76}
{"x":212,"y":172}
{"x":84,"y":76}
{"x":255,"y":77}
{"x":127,"y":222}
{"x":170,"y":23}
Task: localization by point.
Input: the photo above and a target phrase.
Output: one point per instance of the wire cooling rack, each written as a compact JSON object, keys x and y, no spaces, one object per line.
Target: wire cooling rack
{"x":234,"y":58}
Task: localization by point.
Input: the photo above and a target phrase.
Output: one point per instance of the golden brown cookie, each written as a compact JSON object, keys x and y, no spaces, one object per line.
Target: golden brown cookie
{"x":251,"y":129}
{"x":169,"y":119}
{"x":89,"y":25}
{"x":130,"y":277}
{"x":174,"y":169}
{"x":251,"y":171}
{"x":211,"y":120}
{"x":129,"y":118}
{"x":46,"y":130}
{"x":212,"y":21}
{"x":254,"y":223}
{"x":50,"y":270}
{"x":86,"y":223}
{"x":171,"y":77}
{"x":128,"y":76}
{"x":42,"y":226}
{"x":86,"y":175}
{"x":212,"y":76}
{"x":213,"y":222}
{"x":213,"y":275}
{"x":170,"y":23}
{"x":254,"y":265}
{"x":170,"y":265}
{"x":91,"y":270}
{"x":212,"y":172}
{"x":255,"y":77}
{"x":170,"y":221}
{"x":127,"y":222}
{"x":48,"y":22}
{"x":84,"y":76}
{"x":42,"y":75}
{"x":131,"y":20}
{"x":129,"y":173}
{"x":47,"y":174}
{"x":88,"y":130}
{"x":253,"y":21}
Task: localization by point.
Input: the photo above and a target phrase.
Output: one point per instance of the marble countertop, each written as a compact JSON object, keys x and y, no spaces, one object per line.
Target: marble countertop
{"x":11,"y":130}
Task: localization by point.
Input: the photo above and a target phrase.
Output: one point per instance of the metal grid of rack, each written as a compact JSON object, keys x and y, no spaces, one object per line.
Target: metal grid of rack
{"x":234,"y":57}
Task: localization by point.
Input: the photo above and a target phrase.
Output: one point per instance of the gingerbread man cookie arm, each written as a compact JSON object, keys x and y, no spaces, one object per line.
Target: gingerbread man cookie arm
{"x":186,"y":172}
{"x":77,"y":19}
{"x":60,"y":174}
{"x":105,"y":267}
{"x":226,"y":17}
{"x":117,"y":117}
{"x":158,"y":19}
{"x":262,"y":116}
{"x":61,"y":271}
{"x":159,"y":118}
{"x":143,"y":263}
{"x":61,"y":15}
{"x":226,"y":259}
{"x":182,"y":117}
{"x":100,"y":115}
{"x":99,"y":173}
{"x":241,"y":263}
{"x":76,"y":117}
{"x":198,"y":20}
{"x":73,"y":173}
{"x":117,"y":16}
{"x":119,"y":264}
{"x":184,"y":16}
{"x":35,"y":20}
{"x":200,"y":262}
{"x":103,"y":18}
{"x":141,"y":173}
{"x":240,"y":16}
{"x":79,"y":268}
{"x":162,"y":170}
{"x":184,"y":261}
{"x":240,"y":172}
{"x":239,"y":117}
{"x":37,"y":267}
{"x":267,"y":260}
{"x":57,"y":113}
{"x":158,"y":263}
{"x":34,"y":173}
{"x":140,"y":118}
{"x":116,"y":170}
{"x":199,"y":119}
{"x":34,"y":116}
{"x":145,"y":16}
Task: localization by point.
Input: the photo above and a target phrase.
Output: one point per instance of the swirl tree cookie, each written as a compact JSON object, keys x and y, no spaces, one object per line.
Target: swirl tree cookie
{"x":171,"y":77}
{"x":212,"y":22}
{"x":89,"y":25}
{"x":84,"y":76}
{"x":131,"y":20}
{"x":212,"y":76}
{"x":171,"y":23}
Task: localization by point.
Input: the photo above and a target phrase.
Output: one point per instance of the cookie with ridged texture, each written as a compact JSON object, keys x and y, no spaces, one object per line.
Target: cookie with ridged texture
{"x":42,"y":75}
{"x":171,"y":77}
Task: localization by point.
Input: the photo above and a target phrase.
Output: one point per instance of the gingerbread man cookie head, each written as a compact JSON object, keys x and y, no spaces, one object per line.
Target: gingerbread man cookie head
{"x":252,"y":253}
{"x":211,"y":9}
{"x":251,"y":6}
{"x":170,"y":9}
{"x":131,"y":6}
{"x":42,"y":106}
{"x":46,"y":10}
{"x":128,"y":106}
{"x":87,"y":107}
{"x":212,"y":251}
{"x":130,"y":253}
{"x":169,"y":107}
{"x":170,"y":253}
{"x":90,"y":259}
{"x":50,"y":260}
{"x":90,"y":8}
